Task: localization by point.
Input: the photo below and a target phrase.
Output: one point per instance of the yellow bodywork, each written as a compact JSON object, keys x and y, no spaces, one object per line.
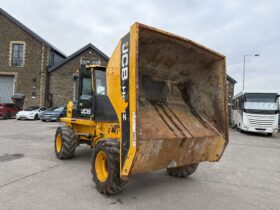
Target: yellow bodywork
{"x":58,"y":143}
{"x":188,"y":122}
{"x":100,"y":166}
{"x":93,"y":131}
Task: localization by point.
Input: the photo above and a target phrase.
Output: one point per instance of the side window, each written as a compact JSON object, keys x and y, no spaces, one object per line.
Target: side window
{"x":86,"y":89}
{"x":233,"y":104}
{"x":85,"y":61}
{"x":17,"y":54}
{"x":237,"y":103}
{"x":43,"y":109}
{"x":100,"y":82}
{"x":10,"y":105}
{"x":240,"y":103}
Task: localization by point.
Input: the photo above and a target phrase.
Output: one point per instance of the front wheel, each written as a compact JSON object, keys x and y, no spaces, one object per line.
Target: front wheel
{"x":36,"y":117}
{"x":182,"y":171}
{"x":106,"y":167}
{"x":269,"y":134}
{"x":65,"y":143}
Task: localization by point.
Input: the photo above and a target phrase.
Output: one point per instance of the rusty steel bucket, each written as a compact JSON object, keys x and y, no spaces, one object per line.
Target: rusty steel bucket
{"x":180,"y":101}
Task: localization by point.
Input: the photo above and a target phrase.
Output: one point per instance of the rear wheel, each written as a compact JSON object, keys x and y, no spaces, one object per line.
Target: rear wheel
{"x":182,"y":171}
{"x":8,"y":115}
{"x":65,"y":143}
{"x":106,"y":167}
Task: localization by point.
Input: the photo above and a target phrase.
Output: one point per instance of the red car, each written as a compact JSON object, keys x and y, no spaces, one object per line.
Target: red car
{"x":8,"y":110}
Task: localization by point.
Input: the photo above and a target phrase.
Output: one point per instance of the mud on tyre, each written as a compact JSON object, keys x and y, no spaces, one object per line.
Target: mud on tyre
{"x":65,"y":143}
{"x":106,"y":167}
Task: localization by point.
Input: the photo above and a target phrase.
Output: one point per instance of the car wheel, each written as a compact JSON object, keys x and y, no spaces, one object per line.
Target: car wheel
{"x":8,"y":116}
{"x":43,"y":120}
{"x":36,"y":117}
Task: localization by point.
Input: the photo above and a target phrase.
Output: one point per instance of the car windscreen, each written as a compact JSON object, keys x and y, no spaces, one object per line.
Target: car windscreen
{"x":31,"y":108}
{"x":58,"y":109}
{"x":53,"y":108}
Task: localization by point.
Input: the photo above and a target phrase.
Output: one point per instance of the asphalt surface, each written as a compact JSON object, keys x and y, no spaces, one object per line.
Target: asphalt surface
{"x":247,"y":177}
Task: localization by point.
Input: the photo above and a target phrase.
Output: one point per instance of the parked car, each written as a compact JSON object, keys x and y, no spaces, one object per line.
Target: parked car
{"x":30,"y":113}
{"x":8,"y":110}
{"x":53,"y":114}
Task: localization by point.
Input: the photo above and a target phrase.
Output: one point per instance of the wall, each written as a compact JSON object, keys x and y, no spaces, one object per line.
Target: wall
{"x":35,"y":61}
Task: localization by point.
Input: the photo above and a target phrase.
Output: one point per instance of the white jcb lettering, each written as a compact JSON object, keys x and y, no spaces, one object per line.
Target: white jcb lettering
{"x":124,"y":69}
{"x":124,"y":73}
{"x":123,"y":91}
{"x":124,"y":116}
{"x":125,"y":47}
{"x":124,"y":60}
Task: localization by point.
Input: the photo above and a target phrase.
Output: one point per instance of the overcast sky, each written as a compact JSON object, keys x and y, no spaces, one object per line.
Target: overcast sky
{"x":233,"y":28}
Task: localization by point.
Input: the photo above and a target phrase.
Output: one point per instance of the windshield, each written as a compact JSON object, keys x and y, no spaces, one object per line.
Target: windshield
{"x":261,"y":97}
{"x":100,"y":80}
{"x":31,"y":108}
{"x":59,"y":109}
{"x":53,"y":108}
{"x":56,"y":108}
{"x":261,"y":103}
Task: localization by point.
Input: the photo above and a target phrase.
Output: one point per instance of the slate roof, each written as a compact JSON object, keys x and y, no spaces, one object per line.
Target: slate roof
{"x":91,"y":46}
{"x":229,"y":78}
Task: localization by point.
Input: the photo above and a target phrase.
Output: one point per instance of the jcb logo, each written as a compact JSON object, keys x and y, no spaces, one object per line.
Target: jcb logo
{"x":125,"y":67}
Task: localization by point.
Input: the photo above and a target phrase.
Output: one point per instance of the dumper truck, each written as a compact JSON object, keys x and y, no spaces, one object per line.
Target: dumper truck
{"x":160,"y":103}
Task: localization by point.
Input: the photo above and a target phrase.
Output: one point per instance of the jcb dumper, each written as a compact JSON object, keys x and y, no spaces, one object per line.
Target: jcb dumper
{"x":160,"y":103}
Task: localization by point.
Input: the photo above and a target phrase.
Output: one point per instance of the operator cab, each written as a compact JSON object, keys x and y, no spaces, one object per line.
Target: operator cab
{"x":92,"y":99}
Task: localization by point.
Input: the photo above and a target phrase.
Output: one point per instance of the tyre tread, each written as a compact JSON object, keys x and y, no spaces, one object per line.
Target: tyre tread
{"x":69,"y":142}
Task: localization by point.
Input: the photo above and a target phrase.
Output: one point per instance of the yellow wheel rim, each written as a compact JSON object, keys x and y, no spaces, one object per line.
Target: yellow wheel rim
{"x":101,"y":166}
{"x":58,"y":142}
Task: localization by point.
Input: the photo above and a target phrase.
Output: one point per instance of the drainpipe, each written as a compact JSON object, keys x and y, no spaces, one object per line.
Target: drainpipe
{"x":47,"y":103}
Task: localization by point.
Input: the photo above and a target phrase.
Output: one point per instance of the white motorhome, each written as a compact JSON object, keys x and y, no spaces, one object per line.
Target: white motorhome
{"x":256,"y":111}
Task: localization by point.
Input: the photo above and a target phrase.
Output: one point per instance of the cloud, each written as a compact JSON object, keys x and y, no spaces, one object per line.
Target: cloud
{"x":233,"y":28}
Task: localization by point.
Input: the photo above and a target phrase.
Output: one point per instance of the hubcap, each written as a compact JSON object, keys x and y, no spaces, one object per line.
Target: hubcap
{"x":101,"y":166}
{"x":58,"y":143}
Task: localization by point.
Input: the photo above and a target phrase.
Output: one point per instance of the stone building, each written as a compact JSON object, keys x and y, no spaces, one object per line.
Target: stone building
{"x":24,"y":59}
{"x":61,"y":86}
{"x":230,"y":92}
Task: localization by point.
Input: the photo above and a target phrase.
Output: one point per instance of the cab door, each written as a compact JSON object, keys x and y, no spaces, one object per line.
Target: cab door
{"x":85,"y":96}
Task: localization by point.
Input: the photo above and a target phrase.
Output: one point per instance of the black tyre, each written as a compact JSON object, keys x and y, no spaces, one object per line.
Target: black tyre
{"x":7,"y":116}
{"x":269,"y":134}
{"x":43,"y":120}
{"x":106,"y":167}
{"x":182,"y":171}
{"x":65,"y":143}
{"x":36,"y":117}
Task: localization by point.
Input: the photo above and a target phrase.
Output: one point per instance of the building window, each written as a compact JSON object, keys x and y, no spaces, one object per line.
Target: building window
{"x":17,"y":54}
{"x":87,"y":61}
{"x":33,"y":94}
